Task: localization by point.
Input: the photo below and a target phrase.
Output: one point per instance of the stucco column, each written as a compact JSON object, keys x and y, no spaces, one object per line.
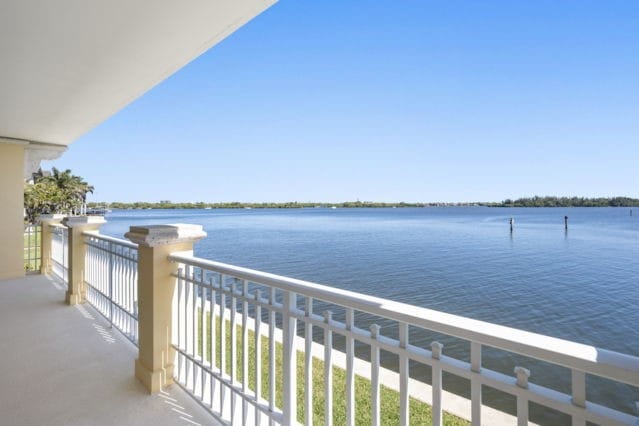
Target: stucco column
{"x":11,"y":210}
{"x":76,"y":292}
{"x":156,"y":284}
{"x":45,"y":240}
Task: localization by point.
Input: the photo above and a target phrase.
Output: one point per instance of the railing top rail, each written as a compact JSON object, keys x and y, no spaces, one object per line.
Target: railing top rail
{"x":96,"y":234}
{"x":613,"y":365}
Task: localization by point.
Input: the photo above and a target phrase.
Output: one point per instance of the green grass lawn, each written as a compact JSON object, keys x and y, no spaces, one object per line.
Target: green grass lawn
{"x":420,"y":413}
{"x":32,"y":251}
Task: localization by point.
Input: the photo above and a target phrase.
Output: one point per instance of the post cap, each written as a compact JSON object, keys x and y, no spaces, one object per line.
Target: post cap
{"x":50,"y":218}
{"x":158,"y":235}
{"x":522,"y":376}
{"x":81,"y":221}
{"x":436,"y":349}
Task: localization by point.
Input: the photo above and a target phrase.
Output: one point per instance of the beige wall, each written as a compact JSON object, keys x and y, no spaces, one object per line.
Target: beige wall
{"x":11,"y":210}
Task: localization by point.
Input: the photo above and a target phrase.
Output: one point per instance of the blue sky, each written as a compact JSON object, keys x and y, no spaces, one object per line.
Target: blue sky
{"x":387,"y":101}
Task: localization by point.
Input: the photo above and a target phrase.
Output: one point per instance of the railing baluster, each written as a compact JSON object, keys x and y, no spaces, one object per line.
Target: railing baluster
{"x":119,"y":282}
{"x":233,"y":346}
{"x":258,"y":353}
{"x":187,"y":299}
{"x":104,"y":278}
{"x":134,"y":280}
{"x":124,"y":271}
{"x":233,"y":334}
{"x":124,"y":284}
{"x":188,"y":325}
{"x":99,"y":267}
{"x":204,"y":333}
{"x":90,"y":264}
{"x":271,"y":354}
{"x":206,"y":343}
{"x":436,"y":351}
{"x":114,"y":269}
{"x":180,"y":321}
{"x":65,"y":277}
{"x":109,"y":266}
{"x":222,"y":343}
{"x":194,"y":333}
{"x":328,"y":369}
{"x":375,"y":407}
{"x":121,"y":288}
{"x":102,"y":282}
{"x":32,"y":240}
{"x":403,"y":375}
{"x":289,"y":359}
{"x":213,"y":338}
{"x":245,"y":349}
{"x":123,"y":291}
{"x":212,"y":327}
{"x":110,"y":285}
{"x":308,"y":363}
{"x":522,"y":403}
{"x":113,"y":265}
{"x":578,"y":395}
{"x":28,"y":233}
{"x":29,"y":243}
{"x":350,"y":369}
{"x":475,"y":384}
{"x":130,"y":303}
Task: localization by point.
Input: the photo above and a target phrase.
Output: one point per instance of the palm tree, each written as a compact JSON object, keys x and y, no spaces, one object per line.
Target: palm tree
{"x":74,"y":187}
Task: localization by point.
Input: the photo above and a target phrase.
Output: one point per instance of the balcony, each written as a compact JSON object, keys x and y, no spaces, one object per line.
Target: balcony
{"x":64,"y":365}
{"x":322,"y":355}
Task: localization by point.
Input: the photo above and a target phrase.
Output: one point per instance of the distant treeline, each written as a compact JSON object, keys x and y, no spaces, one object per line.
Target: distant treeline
{"x":520,"y":202}
{"x":568,"y":202}
{"x":239,"y":205}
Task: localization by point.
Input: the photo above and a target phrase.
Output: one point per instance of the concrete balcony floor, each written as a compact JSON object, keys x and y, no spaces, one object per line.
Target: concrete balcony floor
{"x":62,"y":365}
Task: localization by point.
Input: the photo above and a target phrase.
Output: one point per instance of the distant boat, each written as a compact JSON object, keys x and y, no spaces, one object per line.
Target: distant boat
{"x":248,"y":208}
{"x":97,"y":211}
{"x":333,"y":207}
{"x":208,"y":208}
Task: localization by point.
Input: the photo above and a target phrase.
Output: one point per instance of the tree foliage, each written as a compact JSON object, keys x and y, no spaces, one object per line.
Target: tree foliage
{"x":59,"y":192}
{"x":520,"y":202}
{"x":165,"y":204}
{"x":548,"y":201}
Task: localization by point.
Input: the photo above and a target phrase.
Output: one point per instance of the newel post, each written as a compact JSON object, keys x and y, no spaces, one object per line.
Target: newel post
{"x":77,"y":226}
{"x":156,"y":284}
{"x":46,"y":221}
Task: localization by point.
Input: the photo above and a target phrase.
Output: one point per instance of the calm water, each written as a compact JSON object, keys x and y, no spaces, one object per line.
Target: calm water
{"x":579,"y":285}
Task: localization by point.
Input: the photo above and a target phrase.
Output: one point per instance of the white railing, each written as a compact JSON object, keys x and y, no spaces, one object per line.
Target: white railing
{"x":111,"y":279}
{"x":220,"y":308}
{"x":32,"y":240}
{"x":59,"y":252}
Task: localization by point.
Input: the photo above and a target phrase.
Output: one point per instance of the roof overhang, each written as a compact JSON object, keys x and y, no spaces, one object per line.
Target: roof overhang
{"x":68,"y":65}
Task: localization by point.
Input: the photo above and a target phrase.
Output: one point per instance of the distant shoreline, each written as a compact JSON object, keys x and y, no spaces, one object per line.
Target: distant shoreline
{"x":521,"y":202}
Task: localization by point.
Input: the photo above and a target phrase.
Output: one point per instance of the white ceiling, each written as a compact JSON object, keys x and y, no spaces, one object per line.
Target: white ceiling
{"x":68,"y":65}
